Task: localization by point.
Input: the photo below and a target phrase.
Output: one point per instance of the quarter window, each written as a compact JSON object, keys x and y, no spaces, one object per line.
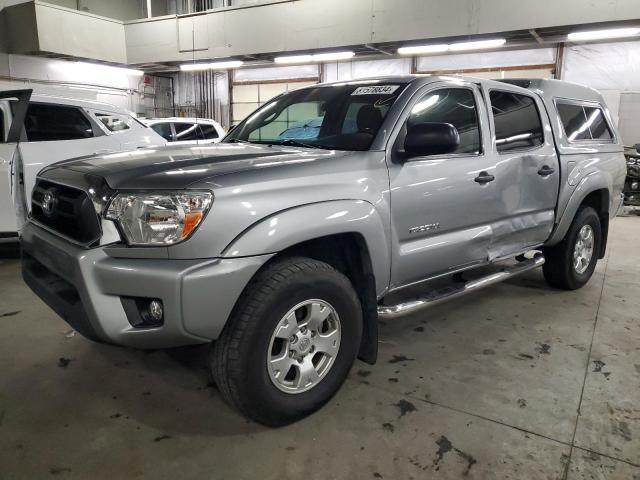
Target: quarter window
{"x":456,"y":106}
{"x":583,"y":123}
{"x":164,"y":130}
{"x":45,"y":123}
{"x":516,"y":120}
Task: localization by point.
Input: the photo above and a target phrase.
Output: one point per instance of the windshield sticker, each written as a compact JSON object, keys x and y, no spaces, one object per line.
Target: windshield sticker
{"x":375,"y":90}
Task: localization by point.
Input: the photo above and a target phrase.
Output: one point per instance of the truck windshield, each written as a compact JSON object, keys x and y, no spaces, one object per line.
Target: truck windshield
{"x":336,"y":117}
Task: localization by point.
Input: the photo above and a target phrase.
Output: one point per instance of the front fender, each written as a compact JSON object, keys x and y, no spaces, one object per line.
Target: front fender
{"x":290,"y":227}
{"x":590,"y":183}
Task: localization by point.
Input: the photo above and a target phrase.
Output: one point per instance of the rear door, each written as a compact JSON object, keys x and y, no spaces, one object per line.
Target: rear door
{"x":13,"y":107}
{"x":527,"y":174}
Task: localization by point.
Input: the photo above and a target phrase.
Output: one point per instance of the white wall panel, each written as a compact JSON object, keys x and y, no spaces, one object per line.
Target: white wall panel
{"x":81,"y":35}
{"x":338,"y":71}
{"x":275,"y":73}
{"x":505,"y":58}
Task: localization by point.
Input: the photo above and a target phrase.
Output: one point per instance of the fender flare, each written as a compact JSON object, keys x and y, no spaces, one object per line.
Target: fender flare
{"x":590,"y":183}
{"x":290,"y":227}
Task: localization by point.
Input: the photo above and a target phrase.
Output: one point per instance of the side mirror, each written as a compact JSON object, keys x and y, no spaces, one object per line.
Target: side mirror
{"x":431,"y":138}
{"x":637,"y":145}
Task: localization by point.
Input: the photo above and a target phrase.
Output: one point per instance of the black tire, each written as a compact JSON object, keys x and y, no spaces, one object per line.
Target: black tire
{"x":239,"y":355}
{"x":558,"y":269}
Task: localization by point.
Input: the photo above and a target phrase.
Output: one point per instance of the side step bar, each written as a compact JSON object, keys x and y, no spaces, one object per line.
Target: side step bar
{"x":435,"y":297}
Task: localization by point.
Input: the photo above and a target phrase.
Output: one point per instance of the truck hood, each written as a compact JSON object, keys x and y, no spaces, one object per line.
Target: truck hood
{"x":179,"y":167}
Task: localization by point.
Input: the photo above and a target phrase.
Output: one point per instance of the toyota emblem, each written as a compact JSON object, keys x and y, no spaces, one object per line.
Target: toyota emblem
{"x":48,"y":203}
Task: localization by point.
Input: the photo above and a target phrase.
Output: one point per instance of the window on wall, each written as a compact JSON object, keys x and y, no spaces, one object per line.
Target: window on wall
{"x":456,"y":106}
{"x":581,"y":122}
{"x":516,"y":120}
{"x":45,"y":122}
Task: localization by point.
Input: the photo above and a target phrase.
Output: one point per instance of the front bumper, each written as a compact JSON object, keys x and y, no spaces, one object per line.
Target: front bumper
{"x":85,"y":287}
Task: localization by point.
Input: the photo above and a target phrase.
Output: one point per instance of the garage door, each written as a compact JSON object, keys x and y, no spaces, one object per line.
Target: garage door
{"x":250,"y":95}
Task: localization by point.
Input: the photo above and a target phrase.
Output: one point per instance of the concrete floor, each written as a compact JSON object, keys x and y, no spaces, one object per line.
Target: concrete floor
{"x":518,"y":381}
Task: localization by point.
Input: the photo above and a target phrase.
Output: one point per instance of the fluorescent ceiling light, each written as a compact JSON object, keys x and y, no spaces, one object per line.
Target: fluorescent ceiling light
{"x":419,"y":49}
{"x":294,"y":59}
{"x":193,"y":67}
{"x":327,"y":57}
{"x":318,"y":57}
{"x":453,"y":47}
{"x":477,"y":45}
{"x":600,"y":34}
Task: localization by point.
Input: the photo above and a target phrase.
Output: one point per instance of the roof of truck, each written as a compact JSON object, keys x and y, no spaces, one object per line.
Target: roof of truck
{"x":545,"y":87}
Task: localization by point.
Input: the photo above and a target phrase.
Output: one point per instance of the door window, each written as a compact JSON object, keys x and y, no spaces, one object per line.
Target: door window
{"x":45,"y":123}
{"x":164,"y":130}
{"x":456,"y":106}
{"x":186,"y":131}
{"x":583,"y":123}
{"x":516,"y":120}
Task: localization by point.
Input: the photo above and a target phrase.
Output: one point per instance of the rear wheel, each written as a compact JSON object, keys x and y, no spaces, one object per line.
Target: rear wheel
{"x":290,"y":341}
{"x":570,"y":264}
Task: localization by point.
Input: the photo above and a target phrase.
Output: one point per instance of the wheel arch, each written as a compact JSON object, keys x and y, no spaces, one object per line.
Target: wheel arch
{"x":349,"y":237}
{"x":593,"y":191}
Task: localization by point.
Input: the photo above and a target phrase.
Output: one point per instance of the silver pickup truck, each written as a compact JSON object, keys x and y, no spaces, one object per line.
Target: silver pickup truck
{"x":283,"y":245}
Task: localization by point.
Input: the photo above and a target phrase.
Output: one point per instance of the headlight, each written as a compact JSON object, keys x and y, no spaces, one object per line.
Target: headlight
{"x":158,"y":218}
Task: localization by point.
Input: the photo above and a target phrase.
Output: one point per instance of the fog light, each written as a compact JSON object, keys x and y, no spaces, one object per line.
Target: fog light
{"x":156,"y":312}
{"x":635,"y":185}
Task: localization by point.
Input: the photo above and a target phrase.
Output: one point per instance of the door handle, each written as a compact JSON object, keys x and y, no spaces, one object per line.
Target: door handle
{"x":546,"y":170}
{"x":102,"y":152}
{"x":483,"y":178}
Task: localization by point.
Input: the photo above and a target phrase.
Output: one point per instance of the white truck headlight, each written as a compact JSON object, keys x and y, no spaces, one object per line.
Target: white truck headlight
{"x":161,"y":218}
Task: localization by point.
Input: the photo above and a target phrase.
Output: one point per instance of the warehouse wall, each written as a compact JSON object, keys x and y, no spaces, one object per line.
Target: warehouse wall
{"x":309,"y":24}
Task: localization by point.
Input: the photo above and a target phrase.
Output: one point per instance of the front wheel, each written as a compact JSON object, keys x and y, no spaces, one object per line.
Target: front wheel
{"x":570,"y":264}
{"x":290,"y":342}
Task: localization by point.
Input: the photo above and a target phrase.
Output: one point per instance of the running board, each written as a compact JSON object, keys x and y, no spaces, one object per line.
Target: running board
{"x":435,"y":297}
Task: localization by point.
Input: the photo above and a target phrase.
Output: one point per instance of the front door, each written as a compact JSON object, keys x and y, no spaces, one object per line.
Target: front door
{"x":13,"y":107}
{"x":442,"y":206}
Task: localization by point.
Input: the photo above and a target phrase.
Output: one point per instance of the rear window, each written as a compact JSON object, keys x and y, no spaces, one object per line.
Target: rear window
{"x":45,"y":123}
{"x":517,"y":121}
{"x":581,"y":122}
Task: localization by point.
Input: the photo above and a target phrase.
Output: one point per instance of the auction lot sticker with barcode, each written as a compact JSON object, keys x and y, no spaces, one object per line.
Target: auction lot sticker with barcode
{"x":375,"y":90}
